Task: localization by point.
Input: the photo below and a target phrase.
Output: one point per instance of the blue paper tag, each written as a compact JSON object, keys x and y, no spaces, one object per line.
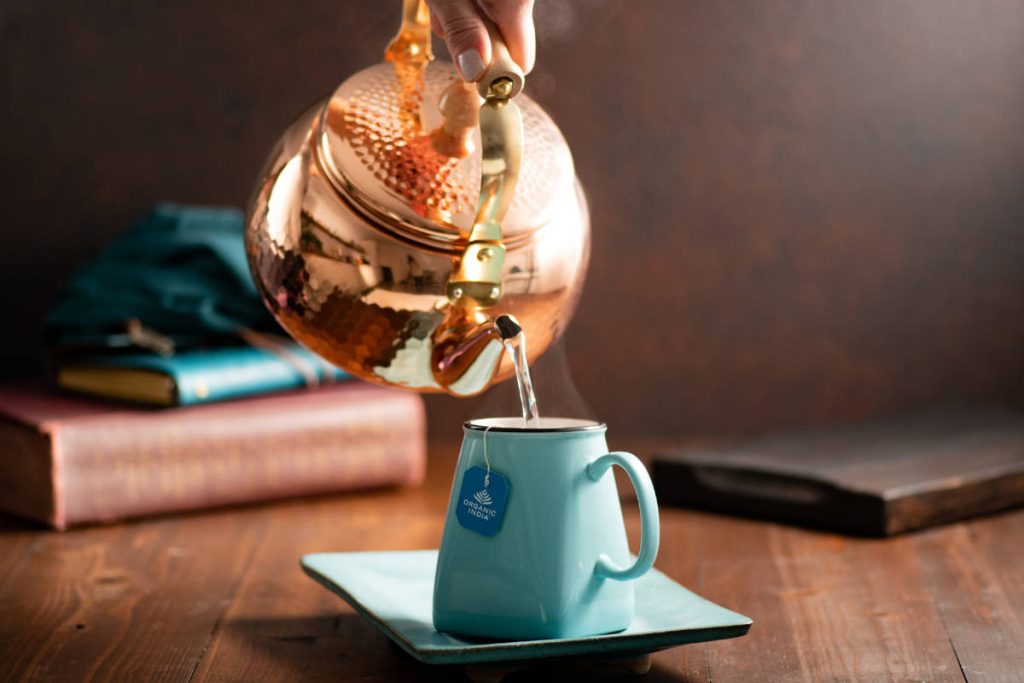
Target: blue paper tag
{"x":481,"y":504}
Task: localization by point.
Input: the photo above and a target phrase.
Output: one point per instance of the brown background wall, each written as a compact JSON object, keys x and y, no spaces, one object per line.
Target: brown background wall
{"x":803,"y":211}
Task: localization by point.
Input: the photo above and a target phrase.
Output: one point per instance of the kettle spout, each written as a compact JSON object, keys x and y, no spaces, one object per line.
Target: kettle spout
{"x":467,"y":349}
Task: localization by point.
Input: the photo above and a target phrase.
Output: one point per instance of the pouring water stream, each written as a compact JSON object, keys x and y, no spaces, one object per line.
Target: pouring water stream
{"x":514,"y":340}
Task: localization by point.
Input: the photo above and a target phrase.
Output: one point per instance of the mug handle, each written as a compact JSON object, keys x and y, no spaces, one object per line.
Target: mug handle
{"x":650,"y":528}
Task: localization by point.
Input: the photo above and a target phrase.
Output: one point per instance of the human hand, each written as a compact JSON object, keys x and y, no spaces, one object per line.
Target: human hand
{"x":461,"y":24}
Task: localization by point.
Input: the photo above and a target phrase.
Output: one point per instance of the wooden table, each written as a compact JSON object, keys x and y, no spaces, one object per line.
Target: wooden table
{"x":220,"y":597}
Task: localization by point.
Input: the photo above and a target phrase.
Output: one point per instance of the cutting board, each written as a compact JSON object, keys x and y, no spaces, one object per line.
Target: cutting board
{"x":872,"y":478}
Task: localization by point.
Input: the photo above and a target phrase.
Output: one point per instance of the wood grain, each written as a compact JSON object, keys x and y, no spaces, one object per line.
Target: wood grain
{"x":122,"y":602}
{"x":977,"y":577}
{"x":278,"y":629}
{"x":220,"y":597}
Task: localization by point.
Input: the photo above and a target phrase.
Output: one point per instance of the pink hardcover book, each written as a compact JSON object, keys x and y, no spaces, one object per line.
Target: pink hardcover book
{"x":66,"y":460}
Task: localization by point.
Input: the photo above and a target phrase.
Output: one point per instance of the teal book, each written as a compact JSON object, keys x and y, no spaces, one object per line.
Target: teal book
{"x":198,"y":376}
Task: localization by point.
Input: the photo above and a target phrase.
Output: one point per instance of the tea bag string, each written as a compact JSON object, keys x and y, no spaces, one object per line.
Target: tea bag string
{"x":487,"y":461}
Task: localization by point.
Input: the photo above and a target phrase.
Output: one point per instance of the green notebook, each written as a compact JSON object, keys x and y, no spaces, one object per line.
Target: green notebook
{"x":201,"y":376}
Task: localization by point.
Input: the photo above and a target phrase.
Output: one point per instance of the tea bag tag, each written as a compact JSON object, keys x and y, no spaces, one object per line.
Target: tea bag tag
{"x":482,"y":499}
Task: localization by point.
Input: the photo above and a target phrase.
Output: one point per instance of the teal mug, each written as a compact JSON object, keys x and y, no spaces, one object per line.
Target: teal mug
{"x":534,"y":545}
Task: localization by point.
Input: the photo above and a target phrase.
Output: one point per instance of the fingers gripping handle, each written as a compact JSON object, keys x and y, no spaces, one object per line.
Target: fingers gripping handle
{"x":502,"y":66}
{"x":650,"y":527}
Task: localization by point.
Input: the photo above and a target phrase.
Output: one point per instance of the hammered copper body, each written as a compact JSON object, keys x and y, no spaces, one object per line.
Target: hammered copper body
{"x":360,"y":216}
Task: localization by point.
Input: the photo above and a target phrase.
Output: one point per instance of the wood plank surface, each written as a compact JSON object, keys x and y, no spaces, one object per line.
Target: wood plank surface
{"x":282,"y":627}
{"x":976,"y":573}
{"x":220,"y":597}
{"x":123,"y":602}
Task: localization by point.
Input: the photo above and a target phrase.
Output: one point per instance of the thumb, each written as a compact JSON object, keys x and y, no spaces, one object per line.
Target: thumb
{"x":464,"y":33}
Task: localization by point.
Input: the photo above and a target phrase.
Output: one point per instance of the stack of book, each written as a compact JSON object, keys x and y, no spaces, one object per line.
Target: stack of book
{"x":143,"y":434}
{"x":175,"y":391}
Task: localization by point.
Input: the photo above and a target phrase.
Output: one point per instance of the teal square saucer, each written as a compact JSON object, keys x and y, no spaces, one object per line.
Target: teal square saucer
{"x":393,"y":591}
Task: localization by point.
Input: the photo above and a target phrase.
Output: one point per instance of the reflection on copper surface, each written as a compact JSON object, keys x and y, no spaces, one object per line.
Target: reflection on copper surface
{"x":364,"y":209}
{"x":382,"y":124}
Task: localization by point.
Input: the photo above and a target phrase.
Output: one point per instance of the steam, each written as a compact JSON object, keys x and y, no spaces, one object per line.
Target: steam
{"x":556,"y":392}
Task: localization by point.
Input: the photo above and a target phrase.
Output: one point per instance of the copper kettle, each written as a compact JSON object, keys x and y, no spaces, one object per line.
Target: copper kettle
{"x":396,"y":219}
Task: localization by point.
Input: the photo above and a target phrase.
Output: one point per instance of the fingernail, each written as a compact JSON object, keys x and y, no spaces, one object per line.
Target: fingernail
{"x":471,"y":64}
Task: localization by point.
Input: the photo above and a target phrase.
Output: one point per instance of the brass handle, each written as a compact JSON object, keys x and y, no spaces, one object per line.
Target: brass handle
{"x":476,"y":281}
{"x":502,"y":66}
{"x":501,"y":142}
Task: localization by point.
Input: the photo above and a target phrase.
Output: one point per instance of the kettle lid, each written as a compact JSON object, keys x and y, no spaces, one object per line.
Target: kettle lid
{"x":374,"y":145}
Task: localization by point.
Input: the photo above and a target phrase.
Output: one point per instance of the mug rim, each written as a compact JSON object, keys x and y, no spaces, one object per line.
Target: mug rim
{"x":587,"y":426}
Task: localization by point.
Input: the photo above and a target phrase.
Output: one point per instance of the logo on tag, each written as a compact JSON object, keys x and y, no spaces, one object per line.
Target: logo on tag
{"x":481,"y":504}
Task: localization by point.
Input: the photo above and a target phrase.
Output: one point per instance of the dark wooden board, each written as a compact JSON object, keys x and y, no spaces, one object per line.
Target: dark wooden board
{"x":875,"y":478}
